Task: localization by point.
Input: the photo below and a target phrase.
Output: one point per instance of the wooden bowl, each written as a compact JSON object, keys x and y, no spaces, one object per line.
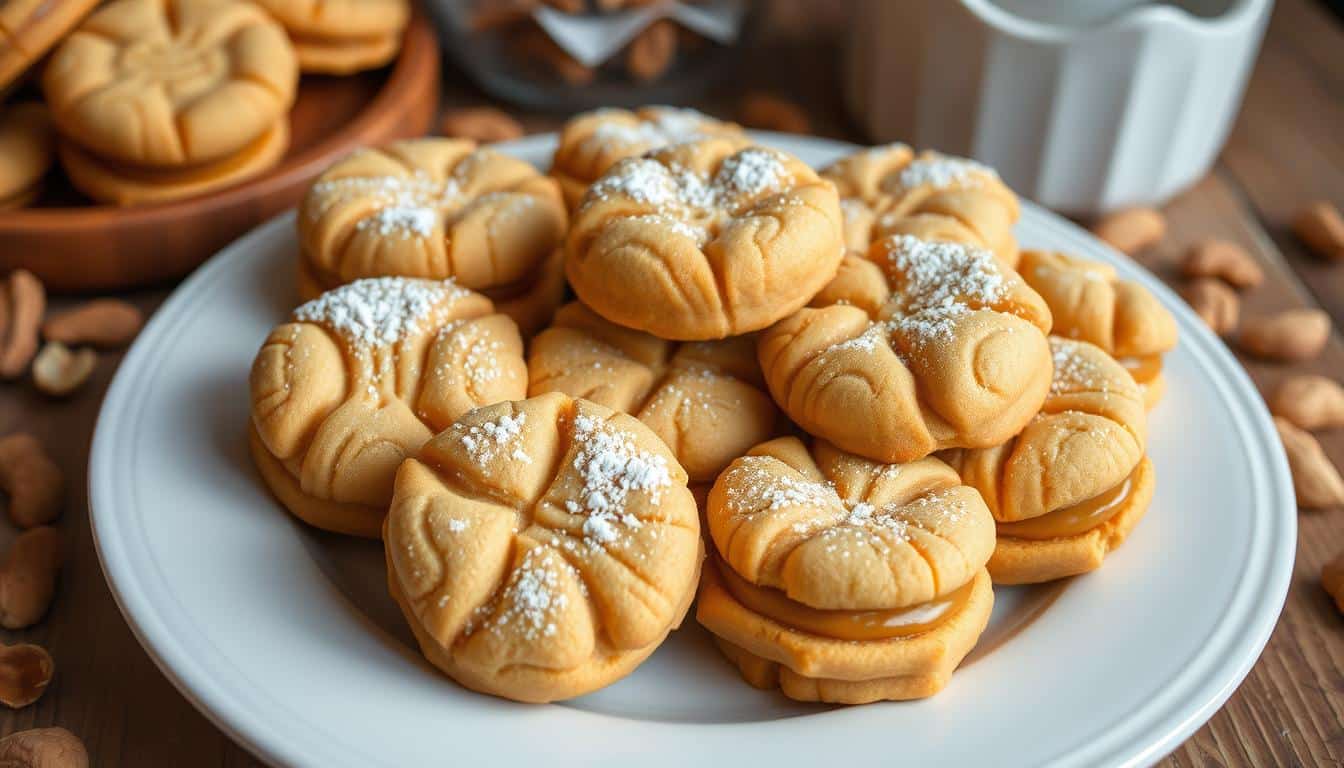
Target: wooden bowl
{"x":85,"y":247}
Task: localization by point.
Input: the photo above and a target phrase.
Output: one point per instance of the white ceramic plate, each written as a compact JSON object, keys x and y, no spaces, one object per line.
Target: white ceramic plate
{"x":286,"y":639}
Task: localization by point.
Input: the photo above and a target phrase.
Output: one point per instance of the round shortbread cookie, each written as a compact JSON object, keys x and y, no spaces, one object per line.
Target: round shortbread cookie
{"x":889,"y":190}
{"x":120,"y":184}
{"x":171,"y":83}
{"x":704,"y":240}
{"x":592,"y":142}
{"x":706,"y":400}
{"x":926,"y":345}
{"x":27,"y":148}
{"x":433,"y":208}
{"x":542,"y":549}
{"x":360,"y":378}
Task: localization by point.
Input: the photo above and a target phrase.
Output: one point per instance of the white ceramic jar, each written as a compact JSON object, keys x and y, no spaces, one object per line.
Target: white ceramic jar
{"x":1081,"y":105}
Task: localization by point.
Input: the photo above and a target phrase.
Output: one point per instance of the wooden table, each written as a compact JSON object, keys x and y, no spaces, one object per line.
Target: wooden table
{"x":1287,"y":149}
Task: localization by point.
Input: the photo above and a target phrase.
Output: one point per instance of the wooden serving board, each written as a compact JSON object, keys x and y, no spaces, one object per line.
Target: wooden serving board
{"x":77,"y":246}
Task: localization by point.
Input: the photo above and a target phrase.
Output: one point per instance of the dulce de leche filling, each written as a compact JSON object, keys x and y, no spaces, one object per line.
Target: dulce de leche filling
{"x":1071,"y":521}
{"x":844,"y":625}
{"x":1144,"y":368}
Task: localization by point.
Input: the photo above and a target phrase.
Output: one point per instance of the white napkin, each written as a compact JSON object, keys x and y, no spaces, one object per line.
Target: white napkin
{"x":591,"y":40}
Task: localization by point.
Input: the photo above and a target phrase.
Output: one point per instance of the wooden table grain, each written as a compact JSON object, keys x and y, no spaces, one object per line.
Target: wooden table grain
{"x":1287,"y":149}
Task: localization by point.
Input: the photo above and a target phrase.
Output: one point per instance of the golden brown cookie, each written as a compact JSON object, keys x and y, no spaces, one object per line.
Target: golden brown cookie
{"x":889,"y":190}
{"x":542,"y":549}
{"x":1091,"y":303}
{"x":704,"y":240}
{"x":360,"y":378}
{"x":860,"y":580}
{"x":121,"y":184}
{"x":29,"y":28}
{"x":1069,"y":487}
{"x":339,"y":37}
{"x":534,"y":303}
{"x":171,"y":83}
{"x":433,"y":208}
{"x":26,"y":152}
{"x":706,"y":400}
{"x":939,"y":345}
{"x":592,"y":142}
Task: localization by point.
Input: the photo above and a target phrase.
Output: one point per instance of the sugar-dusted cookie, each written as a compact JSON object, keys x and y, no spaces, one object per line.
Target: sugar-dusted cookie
{"x":361,"y":377}
{"x":532,"y":302}
{"x":436,"y":208}
{"x":121,"y":184}
{"x":1091,"y":303}
{"x":939,"y":345}
{"x":844,"y":580}
{"x":704,"y":240}
{"x":29,"y":28}
{"x":1071,"y":486}
{"x":889,"y":190}
{"x":706,"y":400}
{"x":338,"y":37}
{"x":542,"y":549}
{"x":592,"y":142}
{"x":26,"y":152}
{"x":171,"y":83}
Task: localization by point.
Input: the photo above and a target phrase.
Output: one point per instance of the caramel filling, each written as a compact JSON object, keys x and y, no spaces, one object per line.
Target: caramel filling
{"x":845,"y":625}
{"x":1071,"y":521}
{"x":1144,"y":369}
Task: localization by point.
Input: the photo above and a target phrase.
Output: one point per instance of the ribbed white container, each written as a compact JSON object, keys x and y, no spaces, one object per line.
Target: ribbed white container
{"x":1081,"y":105}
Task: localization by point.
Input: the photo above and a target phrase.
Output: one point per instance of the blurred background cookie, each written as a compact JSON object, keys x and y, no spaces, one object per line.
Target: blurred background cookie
{"x":338,"y":37}
{"x":26,"y":152}
{"x":29,"y":28}
{"x":171,"y":83}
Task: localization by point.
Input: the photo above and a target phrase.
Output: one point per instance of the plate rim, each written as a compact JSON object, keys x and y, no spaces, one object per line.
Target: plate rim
{"x":1170,"y":717}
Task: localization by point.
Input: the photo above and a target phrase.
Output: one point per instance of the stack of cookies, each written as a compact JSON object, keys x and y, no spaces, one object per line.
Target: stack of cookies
{"x":158,"y":100}
{"x":827,"y":399}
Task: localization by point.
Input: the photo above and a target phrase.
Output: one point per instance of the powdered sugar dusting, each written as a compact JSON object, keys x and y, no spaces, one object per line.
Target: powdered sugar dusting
{"x":657,"y":128}
{"x":405,"y":206}
{"x":380,"y":311}
{"x":942,"y":172}
{"x":1074,"y":371}
{"x":532,"y":597}
{"x":501,"y":437}
{"x":937,"y":283}
{"x":740,"y":178}
{"x":611,"y":467}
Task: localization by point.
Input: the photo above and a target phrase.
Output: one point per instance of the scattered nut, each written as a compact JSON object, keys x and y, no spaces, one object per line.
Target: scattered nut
{"x":652,"y":51}
{"x":1215,"y":303}
{"x":1332,"y":578}
{"x":58,"y":371}
{"x":1315,"y":480}
{"x":482,"y":124}
{"x":1132,"y":229}
{"x":771,"y":113}
{"x":1224,"y":260}
{"x":28,"y":577}
{"x":43,"y":748}
{"x":1293,"y":336}
{"x":25,"y":671}
{"x":31,"y":479}
{"x":1310,"y":402}
{"x":22,"y":302}
{"x":1321,"y":227}
{"x":103,"y":323}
